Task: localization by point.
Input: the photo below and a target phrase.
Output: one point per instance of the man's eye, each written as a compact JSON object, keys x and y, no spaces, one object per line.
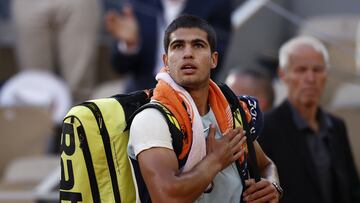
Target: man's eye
{"x":199,"y":45}
{"x":319,"y":69}
{"x":300,"y":69}
{"x":177,"y":46}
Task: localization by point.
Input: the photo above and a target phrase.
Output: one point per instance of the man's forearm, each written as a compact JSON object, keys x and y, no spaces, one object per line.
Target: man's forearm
{"x":173,"y":186}
{"x":267,"y":167}
{"x":270,"y":173}
{"x":199,"y":178}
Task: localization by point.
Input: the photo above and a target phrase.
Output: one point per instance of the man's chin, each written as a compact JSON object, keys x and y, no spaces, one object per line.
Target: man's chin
{"x":188,"y":84}
{"x":191,"y":84}
{"x":310,"y":102}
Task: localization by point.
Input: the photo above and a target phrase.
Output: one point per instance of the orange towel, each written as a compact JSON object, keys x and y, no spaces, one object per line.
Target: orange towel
{"x":180,"y":103}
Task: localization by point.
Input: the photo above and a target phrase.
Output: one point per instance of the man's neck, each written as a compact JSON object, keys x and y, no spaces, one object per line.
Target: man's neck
{"x":308,"y":113}
{"x":200,"y":97}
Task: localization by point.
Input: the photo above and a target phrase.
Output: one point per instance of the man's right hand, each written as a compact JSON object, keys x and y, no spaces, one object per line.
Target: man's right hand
{"x":123,"y":27}
{"x":228,"y":148}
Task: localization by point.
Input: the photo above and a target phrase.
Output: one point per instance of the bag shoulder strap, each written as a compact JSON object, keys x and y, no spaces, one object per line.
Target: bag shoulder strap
{"x":133,"y":101}
{"x":174,"y":127}
{"x":235,"y":105}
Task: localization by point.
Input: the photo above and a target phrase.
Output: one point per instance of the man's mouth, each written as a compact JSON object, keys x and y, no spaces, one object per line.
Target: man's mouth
{"x":188,"y":66}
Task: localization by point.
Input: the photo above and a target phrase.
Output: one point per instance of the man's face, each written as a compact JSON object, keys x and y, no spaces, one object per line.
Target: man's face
{"x":189,"y":58}
{"x":305,"y":76}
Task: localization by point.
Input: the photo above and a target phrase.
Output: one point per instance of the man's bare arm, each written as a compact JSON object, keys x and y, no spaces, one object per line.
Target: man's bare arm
{"x":264,"y":190}
{"x":159,"y":168}
{"x":266,"y":165}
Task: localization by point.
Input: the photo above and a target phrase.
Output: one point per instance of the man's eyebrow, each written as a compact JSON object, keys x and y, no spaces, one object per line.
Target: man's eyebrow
{"x":177,"y":41}
{"x":199,"y":40}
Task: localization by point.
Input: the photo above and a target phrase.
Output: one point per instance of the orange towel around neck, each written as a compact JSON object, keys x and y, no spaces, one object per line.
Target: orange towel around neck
{"x":178,"y":105}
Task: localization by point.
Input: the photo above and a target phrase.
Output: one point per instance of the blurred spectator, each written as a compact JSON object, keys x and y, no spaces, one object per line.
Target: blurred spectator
{"x":140,"y":25}
{"x":41,"y":89}
{"x":309,"y":146}
{"x":4,"y":9}
{"x":59,"y":35}
{"x":253,"y":82}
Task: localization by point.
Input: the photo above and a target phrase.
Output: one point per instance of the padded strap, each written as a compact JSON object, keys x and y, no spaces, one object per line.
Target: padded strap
{"x":234,"y":105}
{"x":176,"y":134}
{"x":132,"y":101}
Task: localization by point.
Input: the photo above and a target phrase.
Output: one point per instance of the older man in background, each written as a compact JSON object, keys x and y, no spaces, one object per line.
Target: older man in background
{"x":309,"y":146}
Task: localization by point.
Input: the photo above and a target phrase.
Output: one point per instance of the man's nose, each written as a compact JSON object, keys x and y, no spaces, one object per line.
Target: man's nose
{"x":188,"y":52}
{"x":310,"y":76}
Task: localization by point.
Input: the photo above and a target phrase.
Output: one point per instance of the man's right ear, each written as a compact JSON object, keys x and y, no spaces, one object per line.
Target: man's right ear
{"x":281,"y":73}
{"x":165,"y":61}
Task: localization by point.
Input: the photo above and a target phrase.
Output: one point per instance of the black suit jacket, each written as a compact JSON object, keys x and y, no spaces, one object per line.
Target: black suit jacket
{"x":141,"y":65}
{"x":287,"y":147}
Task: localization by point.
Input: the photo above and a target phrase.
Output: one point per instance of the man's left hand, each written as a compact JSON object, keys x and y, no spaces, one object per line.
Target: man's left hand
{"x":262,"y":191}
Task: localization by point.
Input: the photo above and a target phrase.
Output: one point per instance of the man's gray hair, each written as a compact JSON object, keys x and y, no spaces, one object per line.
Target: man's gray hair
{"x":289,"y":46}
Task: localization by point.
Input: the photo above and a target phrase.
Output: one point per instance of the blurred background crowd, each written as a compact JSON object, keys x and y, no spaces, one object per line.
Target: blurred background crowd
{"x":56,"y":54}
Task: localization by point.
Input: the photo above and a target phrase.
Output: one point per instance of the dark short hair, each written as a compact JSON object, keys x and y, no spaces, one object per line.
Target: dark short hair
{"x":190,"y":21}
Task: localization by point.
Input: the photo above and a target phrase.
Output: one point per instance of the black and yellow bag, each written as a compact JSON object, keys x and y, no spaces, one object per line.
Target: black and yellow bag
{"x":94,"y":161}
